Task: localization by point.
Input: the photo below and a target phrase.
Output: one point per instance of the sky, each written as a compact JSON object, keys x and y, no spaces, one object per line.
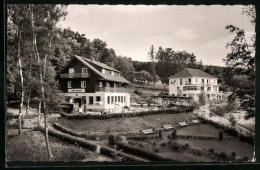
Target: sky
{"x":131,"y":30}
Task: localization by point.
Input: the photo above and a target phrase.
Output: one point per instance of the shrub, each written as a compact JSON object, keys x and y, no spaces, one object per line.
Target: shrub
{"x":141,"y":145}
{"x":211,"y":150}
{"x":131,"y":142}
{"x":176,"y":146}
{"x":174,"y":134}
{"x":138,"y":92}
{"x":198,"y":152}
{"x":220,"y":135}
{"x":160,"y":134}
{"x":245,"y":159}
{"x":232,"y":120}
{"x":223,"y":155}
{"x":111,"y":139}
{"x":218,"y":110}
{"x":187,"y":145}
{"x":156,"y":150}
{"x":194,"y":104}
{"x":163,"y":144}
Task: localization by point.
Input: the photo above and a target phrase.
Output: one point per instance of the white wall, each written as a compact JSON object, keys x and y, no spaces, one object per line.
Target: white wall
{"x":212,"y":83}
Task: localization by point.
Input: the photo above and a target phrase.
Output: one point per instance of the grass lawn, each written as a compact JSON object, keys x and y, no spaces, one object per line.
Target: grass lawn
{"x":241,"y":148}
{"x":200,"y":130}
{"x":30,"y":146}
{"x":124,"y":125}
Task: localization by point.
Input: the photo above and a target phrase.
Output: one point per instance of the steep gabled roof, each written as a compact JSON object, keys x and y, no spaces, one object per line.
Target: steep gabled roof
{"x":104,"y":76}
{"x":102,"y":65}
{"x":190,"y":72}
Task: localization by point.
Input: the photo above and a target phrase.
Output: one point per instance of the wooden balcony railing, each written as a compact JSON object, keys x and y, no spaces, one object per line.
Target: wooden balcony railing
{"x":74,"y":75}
{"x":110,"y":89}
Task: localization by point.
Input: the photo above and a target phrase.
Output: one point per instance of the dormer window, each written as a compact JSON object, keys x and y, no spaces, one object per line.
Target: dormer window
{"x":71,"y":70}
{"x":112,"y":73}
{"x":103,"y":70}
{"x":84,"y":70}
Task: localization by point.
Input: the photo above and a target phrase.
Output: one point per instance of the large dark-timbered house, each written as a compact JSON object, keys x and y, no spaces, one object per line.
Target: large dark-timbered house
{"x":93,"y":86}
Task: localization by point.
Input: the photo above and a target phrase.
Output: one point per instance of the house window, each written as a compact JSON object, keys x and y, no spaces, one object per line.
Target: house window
{"x":121,"y":99}
{"x":119,"y":74}
{"x":83,"y":84}
{"x":112,"y":99}
{"x":103,"y":71}
{"x":98,"y":98}
{"x":100,"y":84}
{"x":84,"y":70}
{"x":71,"y":70}
{"x":202,"y":81}
{"x":196,"y":80}
{"x":112,"y":73}
{"x":91,"y":100}
{"x":108,"y":99}
{"x":180,"y":81}
{"x":178,"y":88}
{"x":124,"y":98}
{"x":69,"y":84}
{"x":118,"y":98}
{"x":189,"y":80}
{"x":115,"y":98}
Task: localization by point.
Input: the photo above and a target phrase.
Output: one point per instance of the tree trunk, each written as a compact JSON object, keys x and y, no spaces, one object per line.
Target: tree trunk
{"x":29,"y":86}
{"x":47,"y":137}
{"x":39,"y":114}
{"x":21,"y":79}
{"x":36,"y":53}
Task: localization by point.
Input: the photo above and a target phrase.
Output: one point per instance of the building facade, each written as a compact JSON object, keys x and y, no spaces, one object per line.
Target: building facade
{"x":191,"y":82}
{"x":93,"y":86}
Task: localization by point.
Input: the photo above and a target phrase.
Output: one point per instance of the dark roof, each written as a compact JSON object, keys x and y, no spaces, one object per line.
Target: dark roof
{"x":190,"y":72}
{"x":102,"y":65}
{"x":102,"y":75}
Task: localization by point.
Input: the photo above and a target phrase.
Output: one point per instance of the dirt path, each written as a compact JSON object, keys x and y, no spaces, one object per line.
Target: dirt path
{"x":206,"y":114}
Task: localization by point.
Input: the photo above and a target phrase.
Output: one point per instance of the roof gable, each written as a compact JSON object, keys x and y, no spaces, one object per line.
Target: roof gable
{"x":102,"y":65}
{"x":104,"y":76}
{"x":189,"y":72}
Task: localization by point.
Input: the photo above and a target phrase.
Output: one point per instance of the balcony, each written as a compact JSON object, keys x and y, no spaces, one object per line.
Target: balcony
{"x":110,"y":89}
{"x":74,"y":75}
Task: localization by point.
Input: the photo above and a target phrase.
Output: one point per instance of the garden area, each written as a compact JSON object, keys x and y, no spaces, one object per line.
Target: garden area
{"x":180,"y":145}
{"x":30,"y":146}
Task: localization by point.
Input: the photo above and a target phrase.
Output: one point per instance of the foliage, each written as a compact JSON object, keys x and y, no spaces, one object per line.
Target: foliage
{"x":160,"y":134}
{"x":202,"y":98}
{"x":125,"y":65}
{"x":170,"y":62}
{"x":220,"y":135}
{"x":174,"y":134}
{"x":232,"y":120}
{"x":194,"y":104}
{"x":240,"y":61}
{"x":218,"y":110}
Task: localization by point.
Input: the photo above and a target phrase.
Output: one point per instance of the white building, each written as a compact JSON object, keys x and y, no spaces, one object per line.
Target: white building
{"x":190,"y":83}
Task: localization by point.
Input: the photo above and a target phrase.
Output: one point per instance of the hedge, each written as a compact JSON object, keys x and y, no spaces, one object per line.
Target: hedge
{"x":142,"y":152}
{"x":123,"y":115}
{"x":111,"y":153}
{"x":83,"y":135}
{"x":231,"y":131}
{"x":71,"y":139}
